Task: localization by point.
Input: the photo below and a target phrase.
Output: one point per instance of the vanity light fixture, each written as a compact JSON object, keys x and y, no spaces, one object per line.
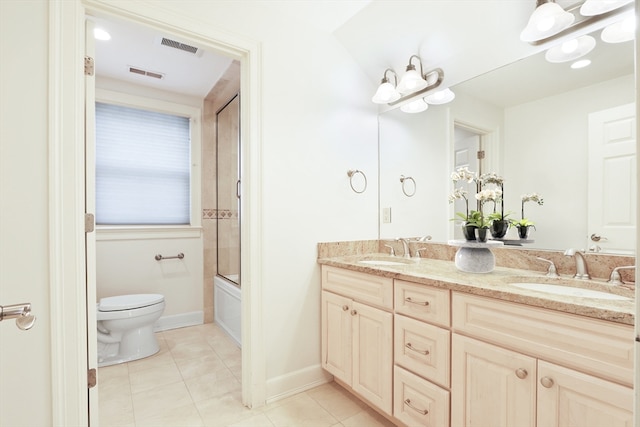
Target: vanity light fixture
{"x":598,"y":7}
{"x":621,"y":31}
{"x":440,"y":97}
{"x":100,"y":34}
{"x":412,"y":80}
{"x":410,"y":92}
{"x":415,"y":106}
{"x":386,"y":91}
{"x":547,"y":19}
{"x":571,"y":49}
{"x":581,"y":64}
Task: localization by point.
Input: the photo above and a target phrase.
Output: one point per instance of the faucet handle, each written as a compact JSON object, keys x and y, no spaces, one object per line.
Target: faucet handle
{"x":551,"y":272}
{"x":392,"y":251}
{"x":615,"y":278}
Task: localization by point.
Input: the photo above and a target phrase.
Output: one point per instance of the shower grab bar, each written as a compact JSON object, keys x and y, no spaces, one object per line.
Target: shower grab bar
{"x":160,"y":257}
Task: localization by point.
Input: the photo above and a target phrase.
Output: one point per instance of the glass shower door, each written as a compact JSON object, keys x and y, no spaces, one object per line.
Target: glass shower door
{"x":228,"y":190}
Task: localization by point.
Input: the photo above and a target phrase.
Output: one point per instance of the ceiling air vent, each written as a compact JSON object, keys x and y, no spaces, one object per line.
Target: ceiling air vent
{"x":142,"y":72}
{"x":180,"y":46}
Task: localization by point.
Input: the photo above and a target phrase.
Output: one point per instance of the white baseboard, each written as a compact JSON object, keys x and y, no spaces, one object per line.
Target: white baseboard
{"x":181,"y":320}
{"x":296,"y":382}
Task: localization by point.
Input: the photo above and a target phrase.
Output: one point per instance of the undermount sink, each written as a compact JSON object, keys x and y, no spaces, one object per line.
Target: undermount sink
{"x":569,"y":291}
{"x":382,"y":262}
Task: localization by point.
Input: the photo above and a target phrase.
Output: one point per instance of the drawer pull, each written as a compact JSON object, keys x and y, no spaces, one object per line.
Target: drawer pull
{"x":354,"y":312}
{"x":546,"y":382}
{"x":345,"y":307}
{"x":410,"y":347}
{"x":420,"y":411}
{"x":409,"y":300}
{"x":521,"y":373}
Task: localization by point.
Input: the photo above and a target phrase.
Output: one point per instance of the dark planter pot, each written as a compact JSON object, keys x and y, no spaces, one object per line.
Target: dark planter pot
{"x":523,"y":231}
{"x":481,"y":234}
{"x":499,"y":228}
{"x":468,"y":231}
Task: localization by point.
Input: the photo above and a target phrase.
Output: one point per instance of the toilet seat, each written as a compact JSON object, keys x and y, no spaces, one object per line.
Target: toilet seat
{"x":129,"y":302}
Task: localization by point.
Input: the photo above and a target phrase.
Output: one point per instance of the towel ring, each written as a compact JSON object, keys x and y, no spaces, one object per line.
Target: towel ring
{"x":351,"y":173}
{"x":403,"y":180}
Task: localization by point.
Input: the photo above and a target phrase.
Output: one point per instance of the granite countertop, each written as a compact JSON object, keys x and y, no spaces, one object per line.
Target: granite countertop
{"x":498,"y":284}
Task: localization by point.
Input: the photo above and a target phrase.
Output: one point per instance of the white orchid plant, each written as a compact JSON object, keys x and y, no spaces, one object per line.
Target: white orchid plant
{"x":489,"y":195}
{"x":465,"y":175}
{"x":524,"y":222}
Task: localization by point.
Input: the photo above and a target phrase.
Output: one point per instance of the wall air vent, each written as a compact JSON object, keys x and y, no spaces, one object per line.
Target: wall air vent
{"x":140,"y":71}
{"x":180,"y":46}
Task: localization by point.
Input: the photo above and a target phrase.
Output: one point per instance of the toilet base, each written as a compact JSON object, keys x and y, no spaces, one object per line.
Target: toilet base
{"x":134,"y":345}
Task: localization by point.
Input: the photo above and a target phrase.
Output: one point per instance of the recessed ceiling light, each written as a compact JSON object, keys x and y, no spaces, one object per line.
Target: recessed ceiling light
{"x":581,"y":64}
{"x":101,"y":34}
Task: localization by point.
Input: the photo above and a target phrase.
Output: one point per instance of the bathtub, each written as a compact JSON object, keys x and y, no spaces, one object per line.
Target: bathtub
{"x":226,"y":306}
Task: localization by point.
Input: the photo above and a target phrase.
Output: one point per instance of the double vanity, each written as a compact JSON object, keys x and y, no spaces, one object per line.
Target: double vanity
{"x":426,"y":344}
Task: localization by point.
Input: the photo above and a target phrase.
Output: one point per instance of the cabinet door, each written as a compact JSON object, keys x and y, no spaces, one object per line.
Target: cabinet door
{"x":337,"y":335}
{"x":570,"y":398}
{"x":491,"y":386}
{"x":373,"y":355}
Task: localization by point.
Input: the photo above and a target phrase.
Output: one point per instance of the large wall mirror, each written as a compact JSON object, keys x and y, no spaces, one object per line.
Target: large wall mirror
{"x":542,"y":127}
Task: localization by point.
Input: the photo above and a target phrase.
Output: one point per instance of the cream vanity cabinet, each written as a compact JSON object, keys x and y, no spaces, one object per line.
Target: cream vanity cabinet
{"x":421,"y":354}
{"x":357,"y":333}
{"x":519,"y":365}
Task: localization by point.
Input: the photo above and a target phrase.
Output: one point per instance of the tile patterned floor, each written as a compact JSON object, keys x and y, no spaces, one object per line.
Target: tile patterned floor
{"x":195,"y":381}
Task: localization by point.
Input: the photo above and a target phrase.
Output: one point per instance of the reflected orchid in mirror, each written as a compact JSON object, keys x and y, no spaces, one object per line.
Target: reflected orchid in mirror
{"x":533,"y":197}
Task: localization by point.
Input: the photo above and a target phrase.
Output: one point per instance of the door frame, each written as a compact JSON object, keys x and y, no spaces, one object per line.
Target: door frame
{"x":66,"y":195}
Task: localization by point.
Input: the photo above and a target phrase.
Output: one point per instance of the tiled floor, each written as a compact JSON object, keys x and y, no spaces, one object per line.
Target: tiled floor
{"x":195,"y":381}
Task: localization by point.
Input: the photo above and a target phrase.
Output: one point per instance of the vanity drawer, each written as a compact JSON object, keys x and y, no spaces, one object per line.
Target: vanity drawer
{"x":422,"y":348}
{"x":422,"y":302}
{"x":362,"y":287}
{"x":597,"y":347}
{"x":417,"y":402}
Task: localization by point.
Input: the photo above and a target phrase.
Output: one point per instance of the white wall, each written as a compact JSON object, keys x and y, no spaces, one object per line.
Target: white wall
{"x":546,"y":152}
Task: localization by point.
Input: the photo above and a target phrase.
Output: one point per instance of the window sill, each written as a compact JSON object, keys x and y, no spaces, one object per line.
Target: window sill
{"x":106,"y":232}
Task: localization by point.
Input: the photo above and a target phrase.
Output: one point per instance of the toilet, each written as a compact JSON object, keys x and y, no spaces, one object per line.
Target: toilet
{"x":125,"y":327}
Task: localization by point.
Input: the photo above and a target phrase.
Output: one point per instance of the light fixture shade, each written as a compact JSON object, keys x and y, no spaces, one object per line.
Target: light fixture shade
{"x":581,"y":64}
{"x":547,"y":20}
{"x":411,"y":81}
{"x":571,"y":50}
{"x":598,"y":7}
{"x":385,"y":94}
{"x":416,"y":106}
{"x":618,"y":32}
{"x":440,"y":97}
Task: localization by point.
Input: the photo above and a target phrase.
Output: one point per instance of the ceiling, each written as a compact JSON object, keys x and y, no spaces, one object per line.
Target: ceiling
{"x":444,"y":33}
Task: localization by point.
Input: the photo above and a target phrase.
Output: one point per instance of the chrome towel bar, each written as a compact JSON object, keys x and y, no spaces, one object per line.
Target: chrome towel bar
{"x":160,"y":257}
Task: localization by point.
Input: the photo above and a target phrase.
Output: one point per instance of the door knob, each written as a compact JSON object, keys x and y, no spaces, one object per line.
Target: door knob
{"x":20,"y":312}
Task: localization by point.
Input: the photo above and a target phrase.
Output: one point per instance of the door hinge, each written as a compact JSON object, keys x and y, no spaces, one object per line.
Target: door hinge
{"x":89,"y":221}
{"x":480,"y":154}
{"x":89,"y":67}
{"x":92,"y":378}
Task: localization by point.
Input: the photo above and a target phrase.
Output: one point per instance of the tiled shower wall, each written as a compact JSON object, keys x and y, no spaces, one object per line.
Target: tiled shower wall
{"x":222,"y":92}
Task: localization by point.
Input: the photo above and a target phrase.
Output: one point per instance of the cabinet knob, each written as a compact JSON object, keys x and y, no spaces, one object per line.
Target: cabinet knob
{"x":354,"y":312}
{"x":521,"y":373}
{"x":345,"y":307}
{"x":546,"y":382}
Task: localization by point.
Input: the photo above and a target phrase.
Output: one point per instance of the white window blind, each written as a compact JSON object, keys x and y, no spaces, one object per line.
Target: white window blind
{"x":142,"y":167}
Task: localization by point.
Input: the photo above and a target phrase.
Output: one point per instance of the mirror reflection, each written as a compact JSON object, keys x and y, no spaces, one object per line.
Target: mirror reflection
{"x":566,"y":134}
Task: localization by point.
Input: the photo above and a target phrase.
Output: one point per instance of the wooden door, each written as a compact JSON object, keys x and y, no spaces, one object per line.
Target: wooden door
{"x":337,"y":335}
{"x":491,"y":386}
{"x":570,"y":398}
{"x":612,"y":180}
{"x":373,"y":355}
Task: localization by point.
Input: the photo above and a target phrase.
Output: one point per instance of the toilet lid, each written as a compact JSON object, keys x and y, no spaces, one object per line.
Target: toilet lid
{"x":128,"y":302}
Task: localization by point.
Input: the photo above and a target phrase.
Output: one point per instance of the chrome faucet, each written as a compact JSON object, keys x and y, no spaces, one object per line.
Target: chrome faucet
{"x":551,"y":271}
{"x":615,"y":278}
{"x":405,"y":247}
{"x":582,"y":272}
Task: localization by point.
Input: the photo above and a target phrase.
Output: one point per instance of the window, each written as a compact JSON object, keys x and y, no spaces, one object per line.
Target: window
{"x":143,"y":162}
